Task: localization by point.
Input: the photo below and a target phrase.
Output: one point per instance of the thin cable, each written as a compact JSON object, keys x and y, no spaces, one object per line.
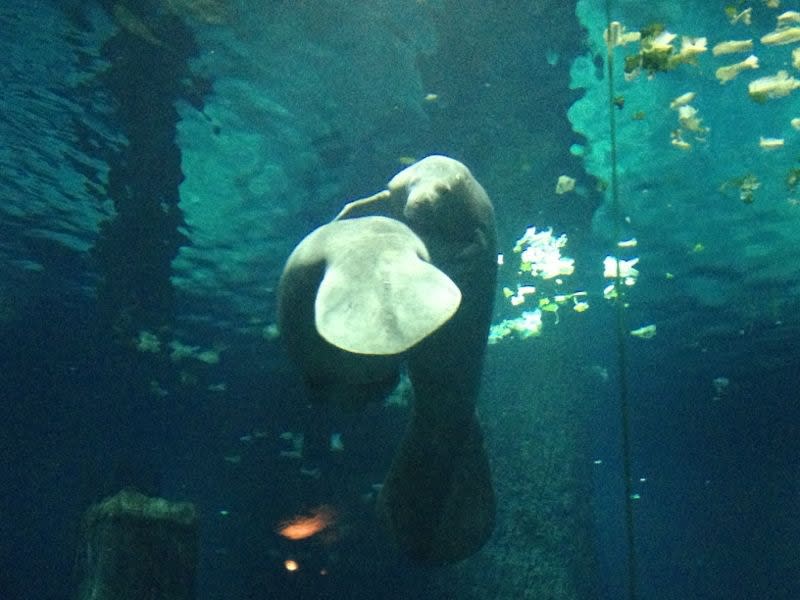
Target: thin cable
{"x":622,"y":352}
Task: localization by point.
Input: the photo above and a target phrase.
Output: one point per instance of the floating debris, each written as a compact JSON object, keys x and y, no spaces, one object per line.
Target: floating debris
{"x":210,"y":357}
{"x":775,"y":86}
{"x":519,"y":297}
{"x":691,"y":48}
{"x":314,"y":473}
{"x":682,"y":100}
{"x":747,"y":185}
{"x":615,"y":35}
{"x":730,"y":72}
{"x":689,"y":119}
{"x":529,"y":324}
{"x":305,"y":526}
{"x":745,"y":17}
{"x":787,"y":18}
{"x":645,"y":333}
{"x":547,"y":305}
{"x":627,"y":272}
{"x":188,"y":379}
{"x":157,"y":389}
{"x":564,"y":184}
{"x":336,"y":443}
{"x":770,"y":143}
{"x":402,"y":395}
{"x":374,"y":490}
{"x":678,"y":142}
{"x":610,"y":292}
{"x":779,"y":37}
{"x":297,"y":441}
{"x":180,"y":351}
{"x":657,"y":49}
{"x":540,"y":254}
{"x":579,"y":306}
{"x":720,"y":385}
{"x":732,"y":47}
{"x":600,"y":372}
{"x":689,"y":122}
{"x":793,"y":178}
{"x":148,"y":341}
{"x":271,"y":332}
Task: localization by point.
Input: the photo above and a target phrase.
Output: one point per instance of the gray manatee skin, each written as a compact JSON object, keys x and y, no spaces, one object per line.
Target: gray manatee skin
{"x":330,"y":373}
{"x":437,"y":499}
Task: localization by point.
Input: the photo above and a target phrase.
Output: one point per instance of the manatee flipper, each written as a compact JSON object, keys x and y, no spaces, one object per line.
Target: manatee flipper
{"x":353,"y":297}
{"x":437,"y":499}
{"x":371,"y":206}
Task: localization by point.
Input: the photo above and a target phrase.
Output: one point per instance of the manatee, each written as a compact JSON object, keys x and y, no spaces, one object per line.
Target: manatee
{"x":407,"y":275}
{"x":353,"y":297}
{"x":437,"y":499}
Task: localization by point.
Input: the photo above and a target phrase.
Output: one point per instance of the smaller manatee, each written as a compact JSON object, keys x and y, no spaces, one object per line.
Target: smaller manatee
{"x":354,"y":296}
{"x":380,"y":295}
{"x":437,"y":499}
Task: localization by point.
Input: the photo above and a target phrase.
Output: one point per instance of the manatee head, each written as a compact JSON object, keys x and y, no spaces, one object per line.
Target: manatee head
{"x":446,"y":206}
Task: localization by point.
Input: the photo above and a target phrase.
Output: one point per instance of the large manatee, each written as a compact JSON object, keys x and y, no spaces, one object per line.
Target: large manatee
{"x":438,"y":498}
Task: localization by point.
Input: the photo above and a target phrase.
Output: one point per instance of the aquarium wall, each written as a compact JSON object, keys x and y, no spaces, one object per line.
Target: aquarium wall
{"x":706,"y":122}
{"x":705,"y":125}
{"x":161,"y":160}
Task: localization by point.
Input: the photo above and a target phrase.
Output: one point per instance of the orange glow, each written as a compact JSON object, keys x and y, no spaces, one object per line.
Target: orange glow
{"x":304,"y":526}
{"x":291,"y":565}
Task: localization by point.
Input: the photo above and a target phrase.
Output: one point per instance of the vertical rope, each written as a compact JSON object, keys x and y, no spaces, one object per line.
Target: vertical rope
{"x":622,"y":353}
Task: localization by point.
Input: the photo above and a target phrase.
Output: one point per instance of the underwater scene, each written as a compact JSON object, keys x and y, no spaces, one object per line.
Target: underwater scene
{"x":403,"y":299}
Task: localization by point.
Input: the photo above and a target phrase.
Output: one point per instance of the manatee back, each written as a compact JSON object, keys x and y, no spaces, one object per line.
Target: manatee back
{"x":354,"y":296}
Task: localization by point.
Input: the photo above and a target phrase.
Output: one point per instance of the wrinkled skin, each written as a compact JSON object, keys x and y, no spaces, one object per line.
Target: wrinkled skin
{"x":437,"y":499}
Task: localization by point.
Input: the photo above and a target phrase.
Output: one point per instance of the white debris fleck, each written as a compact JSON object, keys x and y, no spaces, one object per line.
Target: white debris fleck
{"x":565,"y":184}
{"x":336,"y":443}
{"x":646,"y":332}
{"x":626,"y":269}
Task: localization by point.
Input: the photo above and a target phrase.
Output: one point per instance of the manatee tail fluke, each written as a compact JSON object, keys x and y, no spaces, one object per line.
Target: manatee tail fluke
{"x":437,"y":500}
